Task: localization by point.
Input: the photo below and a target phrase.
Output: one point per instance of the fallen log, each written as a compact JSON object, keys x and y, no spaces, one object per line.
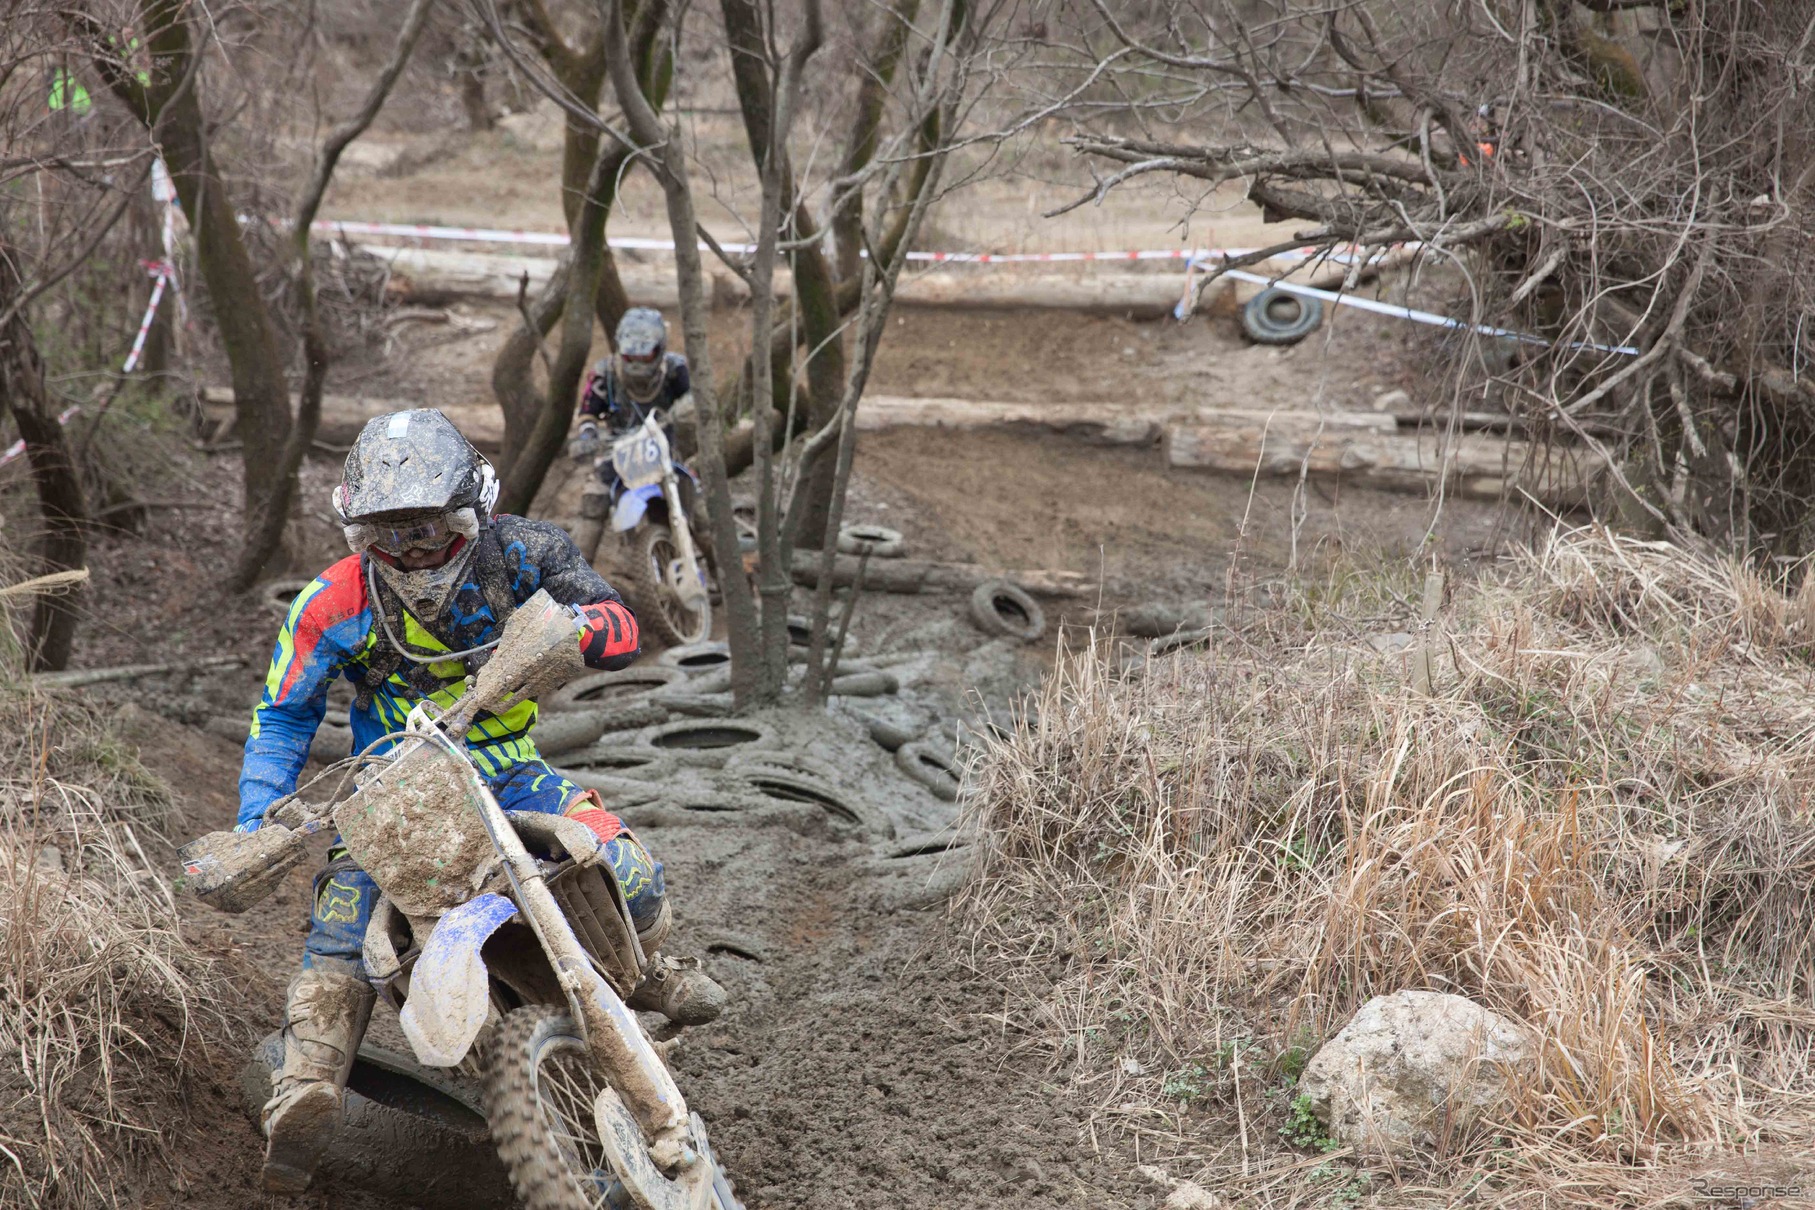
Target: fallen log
{"x":342,"y":416}
{"x":75,"y":678}
{"x":424,"y":275}
{"x":1116,"y":423}
{"x":911,"y":576}
{"x":1469,"y":465}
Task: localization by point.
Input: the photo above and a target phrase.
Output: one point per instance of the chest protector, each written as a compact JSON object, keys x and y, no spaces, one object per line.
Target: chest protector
{"x":467,"y":629}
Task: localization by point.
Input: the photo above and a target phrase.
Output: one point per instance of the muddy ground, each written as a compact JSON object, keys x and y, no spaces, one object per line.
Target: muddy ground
{"x":860,"y":1060}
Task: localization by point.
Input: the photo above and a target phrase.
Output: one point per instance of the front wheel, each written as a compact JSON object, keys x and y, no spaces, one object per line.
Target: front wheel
{"x":540,"y":1087}
{"x":659,"y":609}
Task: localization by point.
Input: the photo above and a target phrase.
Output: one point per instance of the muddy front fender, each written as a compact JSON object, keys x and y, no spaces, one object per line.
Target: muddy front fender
{"x":450,"y":994}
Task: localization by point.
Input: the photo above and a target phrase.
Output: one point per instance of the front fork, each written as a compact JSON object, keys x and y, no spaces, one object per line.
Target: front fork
{"x":610,"y":1028}
{"x":690,"y":585}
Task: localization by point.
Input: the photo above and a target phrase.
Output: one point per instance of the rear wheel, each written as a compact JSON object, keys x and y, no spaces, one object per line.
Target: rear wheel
{"x":660,"y":611}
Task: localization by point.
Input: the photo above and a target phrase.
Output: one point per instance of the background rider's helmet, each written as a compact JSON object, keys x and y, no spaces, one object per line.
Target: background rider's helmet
{"x":413,"y":496}
{"x":642,"y":339}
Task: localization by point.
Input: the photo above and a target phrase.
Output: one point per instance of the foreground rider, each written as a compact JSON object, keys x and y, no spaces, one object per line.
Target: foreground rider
{"x":621,"y":390}
{"x":408,"y":615}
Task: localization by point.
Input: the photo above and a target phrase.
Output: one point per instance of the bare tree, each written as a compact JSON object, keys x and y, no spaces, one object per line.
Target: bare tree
{"x":1633,"y":182}
{"x":62,"y":543}
{"x":160,"y":86}
{"x":900,"y":171}
{"x":593,"y":161}
{"x":266,"y":521}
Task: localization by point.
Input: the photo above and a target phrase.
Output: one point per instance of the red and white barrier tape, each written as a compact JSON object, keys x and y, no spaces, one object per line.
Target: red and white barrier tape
{"x":18,"y":447}
{"x":162,"y":272}
{"x":556,"y":239}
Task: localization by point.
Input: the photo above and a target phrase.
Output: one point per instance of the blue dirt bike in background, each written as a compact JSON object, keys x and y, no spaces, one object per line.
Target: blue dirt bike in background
{"x":647,"y":496}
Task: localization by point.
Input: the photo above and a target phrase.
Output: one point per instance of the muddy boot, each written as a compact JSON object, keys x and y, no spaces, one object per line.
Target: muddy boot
{"x":324,"y":1020}
{"x":679,"y":990}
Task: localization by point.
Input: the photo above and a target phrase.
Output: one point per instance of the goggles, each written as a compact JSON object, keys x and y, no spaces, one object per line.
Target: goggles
{"x":435,"y":531}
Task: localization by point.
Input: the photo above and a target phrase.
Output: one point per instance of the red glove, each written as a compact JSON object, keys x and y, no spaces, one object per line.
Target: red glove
{"x":600,"y":822}
{"x":608,"y":634}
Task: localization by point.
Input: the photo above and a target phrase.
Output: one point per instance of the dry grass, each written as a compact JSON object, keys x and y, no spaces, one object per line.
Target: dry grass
{"x":1599,"y":824}
{"x":101,"y":1006}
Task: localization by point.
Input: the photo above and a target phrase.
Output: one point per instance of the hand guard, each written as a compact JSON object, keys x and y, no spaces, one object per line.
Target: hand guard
{"x":608,"y":634}
{"x":586,"y":441}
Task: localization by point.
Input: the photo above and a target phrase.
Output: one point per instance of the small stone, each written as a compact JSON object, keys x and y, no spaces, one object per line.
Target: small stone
{"x":1156,"y":1175}
{"x":1188,"y":1196}
{"x":1132,"y":1066}
{"x":1388,"y":401}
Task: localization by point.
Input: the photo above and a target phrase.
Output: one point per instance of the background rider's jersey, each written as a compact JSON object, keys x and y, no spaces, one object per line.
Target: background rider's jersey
{"x":604,"y":399}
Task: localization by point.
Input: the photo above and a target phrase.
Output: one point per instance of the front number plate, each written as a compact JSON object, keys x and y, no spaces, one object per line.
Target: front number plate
{"x":638,"y":459}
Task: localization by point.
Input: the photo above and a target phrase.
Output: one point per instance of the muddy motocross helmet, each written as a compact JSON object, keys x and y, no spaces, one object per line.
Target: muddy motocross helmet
{"x":642,"y":339}
{"x":413,"y":496}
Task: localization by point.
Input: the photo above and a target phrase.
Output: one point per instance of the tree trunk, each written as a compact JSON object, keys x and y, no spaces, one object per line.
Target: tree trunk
{"x":62,"y":544}
{"x":535,"y":423}
{"x":266,"y":522}
{"x":169,"y":105}
{"x":256,"y":361}
{"x":665,"y":147}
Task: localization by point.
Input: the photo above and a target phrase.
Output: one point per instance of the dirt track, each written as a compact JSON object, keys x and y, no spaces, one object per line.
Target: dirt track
{"x":858,"y":1055}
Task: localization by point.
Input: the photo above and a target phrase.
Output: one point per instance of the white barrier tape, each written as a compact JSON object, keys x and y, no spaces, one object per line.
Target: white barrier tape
{"x":555,"y":239}
{"x":18,"y":447}
{"x":162,"y":272}
{"x":151,"y":311}
{"x":1416,"y":316}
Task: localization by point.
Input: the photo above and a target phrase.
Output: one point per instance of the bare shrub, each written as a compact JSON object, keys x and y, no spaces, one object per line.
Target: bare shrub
{"x":105,"y":1009}
{"x":1595,"y":826}
{"x":1629,"y":181}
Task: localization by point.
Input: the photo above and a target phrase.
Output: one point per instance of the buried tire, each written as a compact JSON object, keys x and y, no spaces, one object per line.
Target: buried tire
{"x":881,"y":541}
{"x":697,"y":659}
{"x":540,"y":1085}
{"x":1001,"y":608}
{"x":598,"y":690}
{"x":782,"y":785}
{"x":1280,"y":317}
{"x":932,"y":766}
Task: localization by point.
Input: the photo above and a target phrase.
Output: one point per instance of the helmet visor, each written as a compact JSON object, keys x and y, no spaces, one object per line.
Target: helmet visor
{"x":434,"y":531}
{"x":643,"y":372}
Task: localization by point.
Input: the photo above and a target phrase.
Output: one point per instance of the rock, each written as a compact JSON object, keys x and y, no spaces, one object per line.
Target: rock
{"x":1388,"y":401}
{"x":1644,"y":663}
{"x":1410,"y":1066}
{"x":1188,"y":1196}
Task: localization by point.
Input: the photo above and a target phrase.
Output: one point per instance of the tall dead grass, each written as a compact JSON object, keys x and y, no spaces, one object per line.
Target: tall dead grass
{"x":1598,"y":824}
{"x":101,"y":1006}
